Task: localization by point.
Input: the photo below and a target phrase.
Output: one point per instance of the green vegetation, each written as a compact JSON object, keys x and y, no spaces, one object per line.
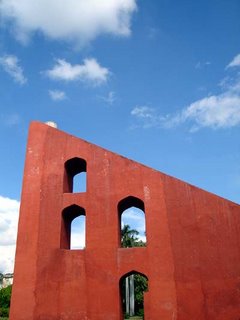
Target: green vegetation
{"x":129,"y":239}
{"x":140,"y":286}
{"x":5,"y":297}
{"x":1,"y":278}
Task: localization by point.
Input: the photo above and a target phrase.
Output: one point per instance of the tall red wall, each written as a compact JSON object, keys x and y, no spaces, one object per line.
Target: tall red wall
{"x":192,"y":257}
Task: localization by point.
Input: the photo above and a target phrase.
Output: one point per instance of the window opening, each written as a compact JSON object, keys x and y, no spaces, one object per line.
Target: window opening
{"x":79,"y":182}
{"x":75,"y":175}
{"x":132,"y":223}
{"x":73,"y":228}
{"x":78,"y":240}
{"x":132,"y":289}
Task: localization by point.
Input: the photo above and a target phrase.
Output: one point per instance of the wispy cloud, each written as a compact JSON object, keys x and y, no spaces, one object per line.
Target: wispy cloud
{"x":80,"y":20}
{"x":214,"y":111}
{"x":10,"y":64}
{"x":135,"y":218}
{"x":10,"y":120}
{"x":57,"y":95}
{"x":90,"y":71}
{"x":9,"y":209}
{"x":235,"y":62}
{"x":201,"y":65}
{"x":110,"y":98}
{"x":147,"y":117}
{"x":152,"y":32}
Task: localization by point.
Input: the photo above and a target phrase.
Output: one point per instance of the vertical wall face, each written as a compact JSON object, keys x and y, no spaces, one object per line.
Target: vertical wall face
{"x":192,"y":238}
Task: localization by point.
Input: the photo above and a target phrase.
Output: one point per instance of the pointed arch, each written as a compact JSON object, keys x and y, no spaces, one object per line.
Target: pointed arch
{"x":127,"y":274}
{"x":130,"y":201}
{"x":132,"y":286}
{"x":132,"y":222}
{"x":68,"y":215}
{"x":75,"y":168}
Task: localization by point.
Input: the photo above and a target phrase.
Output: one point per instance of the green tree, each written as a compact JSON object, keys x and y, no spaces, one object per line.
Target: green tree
{"x":5,"y":297}
{"x":1,"y":278}
{"x":140,"y":286}
{"x":129,"y":239}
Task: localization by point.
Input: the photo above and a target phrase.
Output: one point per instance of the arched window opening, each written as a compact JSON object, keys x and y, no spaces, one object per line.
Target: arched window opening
{"x":78,"y":233}
{"x":132,"y":223}
{"x":75,"y":175}
{"x":73,"y":233}
{"x":79,"y":182}
{"x":132,"y":288}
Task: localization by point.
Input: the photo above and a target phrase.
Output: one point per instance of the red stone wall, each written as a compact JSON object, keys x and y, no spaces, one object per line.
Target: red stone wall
{"x":192,"y":258}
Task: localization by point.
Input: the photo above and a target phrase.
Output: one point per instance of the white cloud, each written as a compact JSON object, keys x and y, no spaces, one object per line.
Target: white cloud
{"x":147,"y":117}
{"x":134,"y":214}
{"x":215,"y":111}
{"x":235,"y":87}
{"x":235,"y":62}
{"x":90,"y":71}
{"x":110,"y":98}
{"x":10,"y":64}
{"x":79,"y":20}
{"x":201,"y":65}
{"x":78,"y":233}
{"x":9,"y":210}
{"x":135,"y":218}
{"x":57,"y":95}
{"x":143,"y":112}
{"x":78,"y":240}
{"x":219,"y":111}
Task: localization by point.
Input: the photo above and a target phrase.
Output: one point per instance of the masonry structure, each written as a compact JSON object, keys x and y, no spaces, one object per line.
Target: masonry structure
{"x":192,"y":257}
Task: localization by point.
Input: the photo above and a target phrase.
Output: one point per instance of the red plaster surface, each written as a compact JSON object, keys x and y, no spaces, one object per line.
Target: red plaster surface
{"x":192,"y":258}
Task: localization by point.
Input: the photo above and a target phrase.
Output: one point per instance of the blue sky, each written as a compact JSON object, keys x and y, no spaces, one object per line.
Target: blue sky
{"x":155,"y":81}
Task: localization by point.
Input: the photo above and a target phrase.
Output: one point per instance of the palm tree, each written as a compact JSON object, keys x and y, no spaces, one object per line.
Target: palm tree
{"x":129,"y":237}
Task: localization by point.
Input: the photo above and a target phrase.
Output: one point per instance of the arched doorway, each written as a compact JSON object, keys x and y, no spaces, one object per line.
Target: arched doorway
{"x":132,"y":288}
